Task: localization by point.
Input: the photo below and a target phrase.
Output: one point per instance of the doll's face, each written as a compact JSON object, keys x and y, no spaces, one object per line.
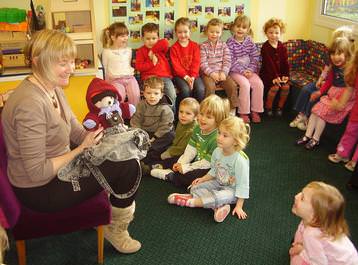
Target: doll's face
{"x":105,"y":102}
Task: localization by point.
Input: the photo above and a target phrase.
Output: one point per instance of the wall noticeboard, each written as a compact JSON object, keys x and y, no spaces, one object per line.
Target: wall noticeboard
{"x":135,"y":13}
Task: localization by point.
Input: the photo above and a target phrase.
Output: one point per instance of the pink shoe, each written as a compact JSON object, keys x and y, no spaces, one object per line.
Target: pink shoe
{"x":221,"y":213}
{"x":255,"y":117}
{"x":179,"y":199}
{"x":245,"y":118}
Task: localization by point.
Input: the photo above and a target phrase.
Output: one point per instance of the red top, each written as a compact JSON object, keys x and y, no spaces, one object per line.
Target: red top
{"x":185,"y":60}
{"x":145,"y":66}
{"x":274,"y":63}
{"x":354,"y":111}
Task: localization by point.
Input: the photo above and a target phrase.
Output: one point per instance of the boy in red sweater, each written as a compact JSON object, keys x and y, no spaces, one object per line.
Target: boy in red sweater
{"x":151,"y":59}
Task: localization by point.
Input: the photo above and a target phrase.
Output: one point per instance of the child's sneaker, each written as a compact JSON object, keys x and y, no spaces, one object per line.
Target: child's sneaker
{"x":269,"y":112}
{"x":221,"y":213}
{"x":279,"y":112}
{"x":160,"y":173}
{"x":350,"y":165}
{"x":336,"y":158}
{"x":245,"y":118}
{"x":296,"y":121}
{"x":255,"y":117}
{"x":179,"y":199}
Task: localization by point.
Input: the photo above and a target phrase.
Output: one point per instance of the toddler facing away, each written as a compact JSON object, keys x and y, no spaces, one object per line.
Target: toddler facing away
{"x":227,"y":182}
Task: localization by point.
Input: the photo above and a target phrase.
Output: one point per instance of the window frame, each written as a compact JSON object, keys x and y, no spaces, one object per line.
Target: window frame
{"x":328,"y":21}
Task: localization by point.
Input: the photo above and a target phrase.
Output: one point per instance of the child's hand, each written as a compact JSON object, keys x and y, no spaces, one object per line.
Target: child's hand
{"x":197,"y":181}
{"x":334,"y":104}
{"x":240,"y":212}
{"x":190,"y":81}
{"x":154,"y":59}
{"x":177,"y":168}
{"x":295,"y":249}
{"x":152,"y":139}
{"x":277,"y":81}
{"x":247,"y":73}
{"x":222,"y":76}
{"x":315,"y":95}
{"x":284,"y":79}
{"x":319,"y":83}
{"x":150,"y":55}
{"x":215,"y":76}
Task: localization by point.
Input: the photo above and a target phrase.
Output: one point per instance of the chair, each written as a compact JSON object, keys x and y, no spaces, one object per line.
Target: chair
{"x":27,"y":224}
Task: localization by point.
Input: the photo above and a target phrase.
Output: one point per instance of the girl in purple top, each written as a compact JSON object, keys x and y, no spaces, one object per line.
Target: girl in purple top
{"x":321,"y":237}
{"x":244,"y":64}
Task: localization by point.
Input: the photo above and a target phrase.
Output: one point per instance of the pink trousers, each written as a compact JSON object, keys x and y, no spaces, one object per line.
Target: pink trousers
{"x":253,"y":83}
{"x":349,"y":141}
{"x":127,"y":86}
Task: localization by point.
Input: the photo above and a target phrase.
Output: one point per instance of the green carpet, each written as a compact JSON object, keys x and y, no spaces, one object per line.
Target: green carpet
{"x":175,"y":235}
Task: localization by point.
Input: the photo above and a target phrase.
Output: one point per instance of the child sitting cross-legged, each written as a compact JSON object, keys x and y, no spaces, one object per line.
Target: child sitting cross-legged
{"x":227,"y":181}
{"x":195,"y":162}
{"x":154,"y":115}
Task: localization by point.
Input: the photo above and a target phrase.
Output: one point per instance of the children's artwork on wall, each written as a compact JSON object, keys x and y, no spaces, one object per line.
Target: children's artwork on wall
{"x":202,"y":11}
{"x":135,"y":13}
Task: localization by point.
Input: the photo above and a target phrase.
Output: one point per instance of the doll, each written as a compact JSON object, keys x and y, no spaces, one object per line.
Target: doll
{"x":104,"y":106}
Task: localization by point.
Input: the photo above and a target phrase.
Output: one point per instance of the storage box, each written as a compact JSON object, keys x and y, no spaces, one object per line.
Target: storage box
{"x":14,"y":60}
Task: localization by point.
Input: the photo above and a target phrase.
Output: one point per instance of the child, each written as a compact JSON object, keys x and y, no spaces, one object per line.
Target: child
{"x":227,"y":181}
{"x":116,"y":59}
{"x":185,"y":59}
{"x":151,"y":59}
{"x":335,"y":87}
{"x":244,"y":63}
{"x":154,"y":116}
{"x":322,"y":235}
{"x":188,"y":110}
{"x":350,"y":136}
{"x":303,"y":103}
{"x":275,"y":69}
{"x":215,"y":63}
{"x":195,"y":161}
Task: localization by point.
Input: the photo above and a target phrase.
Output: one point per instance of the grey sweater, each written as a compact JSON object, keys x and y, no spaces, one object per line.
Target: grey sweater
{"x":157,"y":119}
{"x":34,"y":133}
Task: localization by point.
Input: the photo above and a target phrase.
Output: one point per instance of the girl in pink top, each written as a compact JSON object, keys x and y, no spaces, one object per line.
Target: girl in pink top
{"x":321,"y":237}
{"x":116,"y":60}
{"x":350,"y":137}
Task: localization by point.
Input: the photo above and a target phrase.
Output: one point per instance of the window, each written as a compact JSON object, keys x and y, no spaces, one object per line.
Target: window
{"x":335,"y":13}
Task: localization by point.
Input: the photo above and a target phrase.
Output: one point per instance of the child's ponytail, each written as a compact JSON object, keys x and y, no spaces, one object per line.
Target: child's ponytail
{"x":106,"y":38}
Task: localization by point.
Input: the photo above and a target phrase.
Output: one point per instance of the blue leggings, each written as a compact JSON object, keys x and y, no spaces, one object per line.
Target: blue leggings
{"x":303,"y":103}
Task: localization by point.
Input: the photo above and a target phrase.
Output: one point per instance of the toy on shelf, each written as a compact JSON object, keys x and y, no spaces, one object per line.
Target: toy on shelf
{"x":82,"y":64}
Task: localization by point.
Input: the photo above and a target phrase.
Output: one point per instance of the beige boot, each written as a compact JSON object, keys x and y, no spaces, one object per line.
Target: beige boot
{"x":117,"y":232}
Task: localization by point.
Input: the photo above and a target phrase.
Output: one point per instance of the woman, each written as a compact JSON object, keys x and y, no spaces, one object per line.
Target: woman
{"x":38,"y":127}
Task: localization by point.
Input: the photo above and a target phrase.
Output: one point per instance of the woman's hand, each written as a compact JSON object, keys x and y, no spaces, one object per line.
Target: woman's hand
{"x":92,"y":138}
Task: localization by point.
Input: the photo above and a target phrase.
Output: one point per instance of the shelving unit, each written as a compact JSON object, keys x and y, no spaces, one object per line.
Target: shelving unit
{"x":76,"y":18}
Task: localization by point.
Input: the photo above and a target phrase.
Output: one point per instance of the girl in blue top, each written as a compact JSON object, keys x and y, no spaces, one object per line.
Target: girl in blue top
{"x":227,"y":182}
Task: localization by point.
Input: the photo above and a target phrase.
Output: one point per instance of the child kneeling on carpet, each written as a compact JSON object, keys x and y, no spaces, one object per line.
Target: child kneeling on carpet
{"x":227,"y":182}
{"x":322,"y":235}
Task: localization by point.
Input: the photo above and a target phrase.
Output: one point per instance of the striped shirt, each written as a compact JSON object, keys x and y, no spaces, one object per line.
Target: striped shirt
{"x":244,"y":55}
{"x":214,"y":58}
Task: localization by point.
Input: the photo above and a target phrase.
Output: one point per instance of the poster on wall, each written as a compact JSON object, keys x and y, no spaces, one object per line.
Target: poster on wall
{"x":135,"y":13}
{"x":200,"y":12}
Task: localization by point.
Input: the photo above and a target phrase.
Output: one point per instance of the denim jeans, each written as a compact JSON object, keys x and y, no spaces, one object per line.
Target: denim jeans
{"x":198,"y":91}
{"x":303,"y":103}
{"x":169,"y":90}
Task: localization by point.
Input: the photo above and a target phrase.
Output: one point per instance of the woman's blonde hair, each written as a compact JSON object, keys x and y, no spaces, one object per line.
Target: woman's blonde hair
{"x":239,"y":130}
{"x":340,"y":45}
{"x":350,"y":71}
{"x":215,"y":106}
{"x":192,"y":103}
{"x":242,"y":20}
{"x":46,"y":48}
{"x":328,"y":206}
{"x":115,"y":29}
{"x":274,"y":22}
